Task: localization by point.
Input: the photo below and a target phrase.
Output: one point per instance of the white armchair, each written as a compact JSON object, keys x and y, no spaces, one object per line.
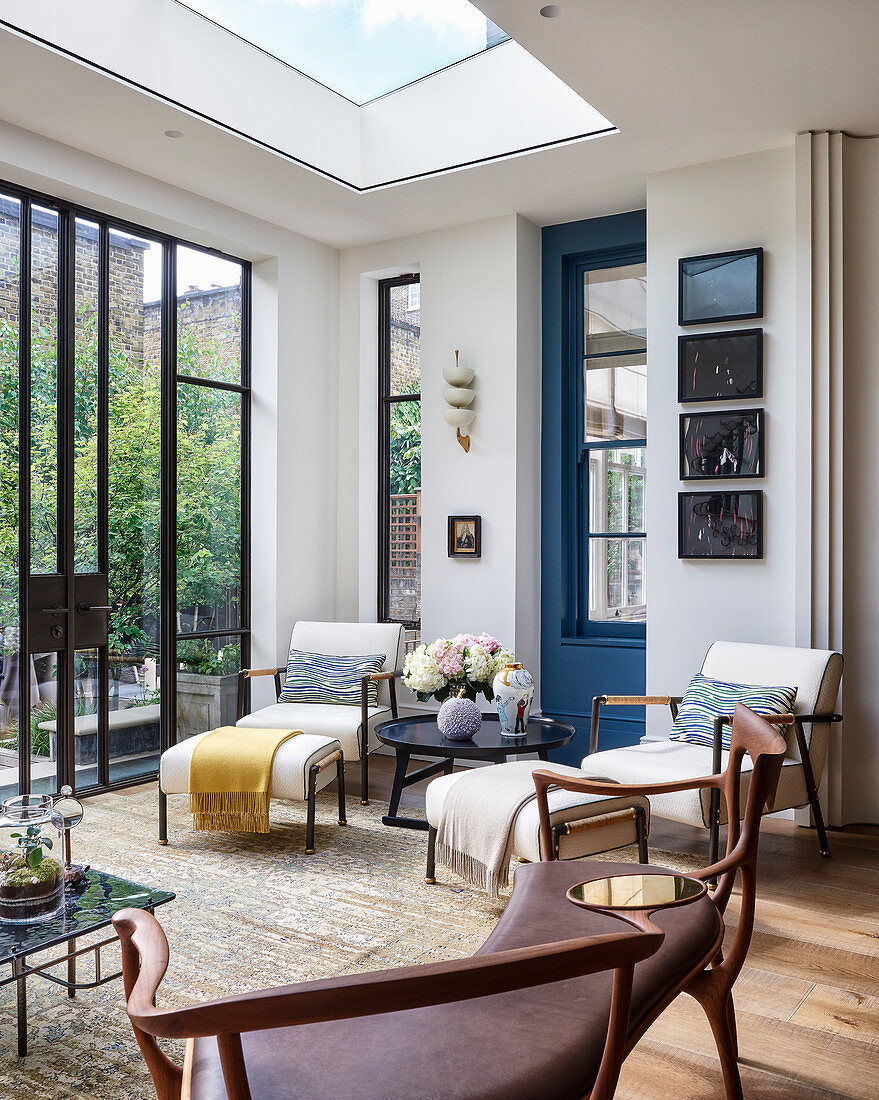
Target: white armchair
{"x":815,"y":673}
{"x":353,"y":727}
{"x":333,"y":732}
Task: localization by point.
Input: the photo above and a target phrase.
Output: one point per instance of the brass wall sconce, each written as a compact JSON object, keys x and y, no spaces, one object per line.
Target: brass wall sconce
{"x":458,"y":396}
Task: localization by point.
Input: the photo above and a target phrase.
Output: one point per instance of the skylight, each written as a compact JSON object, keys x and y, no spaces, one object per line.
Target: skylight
{"x":362,"y":49}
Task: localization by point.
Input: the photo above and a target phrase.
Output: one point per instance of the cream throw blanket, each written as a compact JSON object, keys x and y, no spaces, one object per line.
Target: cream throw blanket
{"x":230,"y":775}
{"x":475,"y":834}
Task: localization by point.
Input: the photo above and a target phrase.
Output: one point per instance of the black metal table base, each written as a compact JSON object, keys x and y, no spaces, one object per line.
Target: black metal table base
{"x":403,"y":779}
{"x":21,"y":972}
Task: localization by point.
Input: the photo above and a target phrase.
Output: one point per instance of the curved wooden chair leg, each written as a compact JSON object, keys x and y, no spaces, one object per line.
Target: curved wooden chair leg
{"x":718,"y":1005}
{"x":731,"y":1024}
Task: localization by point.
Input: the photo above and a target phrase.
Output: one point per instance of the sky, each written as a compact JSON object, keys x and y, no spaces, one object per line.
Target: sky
{"x":360,"y":48}
{"x":194,"y":269}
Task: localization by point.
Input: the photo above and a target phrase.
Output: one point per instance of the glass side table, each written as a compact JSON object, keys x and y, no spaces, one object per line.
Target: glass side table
{"x":89,"y":906}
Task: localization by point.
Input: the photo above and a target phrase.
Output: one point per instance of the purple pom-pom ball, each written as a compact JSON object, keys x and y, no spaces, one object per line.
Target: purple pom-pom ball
{"x":458,"y":719}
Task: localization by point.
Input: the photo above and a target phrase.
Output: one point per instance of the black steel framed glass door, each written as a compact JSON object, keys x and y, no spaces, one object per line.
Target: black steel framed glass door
{"x":93,"y":520}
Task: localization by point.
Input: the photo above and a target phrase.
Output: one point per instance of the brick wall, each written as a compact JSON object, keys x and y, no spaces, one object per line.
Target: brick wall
{"x":214,"y":318}
{"x":405,"y":343}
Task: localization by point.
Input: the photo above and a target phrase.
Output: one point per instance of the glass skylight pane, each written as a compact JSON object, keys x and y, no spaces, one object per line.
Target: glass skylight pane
{"x":359,"y":48}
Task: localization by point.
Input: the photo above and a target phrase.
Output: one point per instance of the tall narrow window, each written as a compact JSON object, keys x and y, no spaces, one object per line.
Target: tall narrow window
{"x":212,"y":405}
{"x":612,"y":351}
{"x":399,"y":407}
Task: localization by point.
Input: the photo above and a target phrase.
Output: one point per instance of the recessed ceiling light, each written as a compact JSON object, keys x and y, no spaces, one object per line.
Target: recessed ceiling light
{"x":174,"y":133}
{"x":551,"y":11}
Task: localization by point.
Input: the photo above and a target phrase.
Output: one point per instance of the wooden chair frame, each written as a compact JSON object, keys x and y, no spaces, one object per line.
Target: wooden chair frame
{"x":673,"y":702}
{"x":145,"y":959}
{"x":711,"y":982}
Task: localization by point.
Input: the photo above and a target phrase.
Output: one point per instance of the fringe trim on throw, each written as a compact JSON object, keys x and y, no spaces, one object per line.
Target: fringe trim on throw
{"x":230,"y":811}
{"x":473,"y":870}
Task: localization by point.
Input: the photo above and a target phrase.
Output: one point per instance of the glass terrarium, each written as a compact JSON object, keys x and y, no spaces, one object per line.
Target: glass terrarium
{"x":31,"y":880}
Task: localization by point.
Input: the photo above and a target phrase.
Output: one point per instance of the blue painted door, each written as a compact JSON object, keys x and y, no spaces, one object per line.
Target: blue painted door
{"x":584,"y":654}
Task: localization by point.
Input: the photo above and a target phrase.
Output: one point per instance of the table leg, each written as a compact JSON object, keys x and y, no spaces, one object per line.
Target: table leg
{"x":21,"y":1004}
{"x":399,"y":780}
{"x":71,"y":968}
{"x":542,"y":754}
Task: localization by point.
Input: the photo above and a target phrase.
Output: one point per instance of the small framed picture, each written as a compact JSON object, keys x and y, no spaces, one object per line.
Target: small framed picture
{"x":465,"y":536}
{"x":720,"y":525}
{"x":725,"y":286}
{"x":722,"y":444}
{"x":720,"y":366}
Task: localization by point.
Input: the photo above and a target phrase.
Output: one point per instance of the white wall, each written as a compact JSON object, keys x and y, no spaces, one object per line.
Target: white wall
{"x":295,"y":348}
{"x":859,"y":534}
{"x":479,"y":294}
{"x":736,"y":203}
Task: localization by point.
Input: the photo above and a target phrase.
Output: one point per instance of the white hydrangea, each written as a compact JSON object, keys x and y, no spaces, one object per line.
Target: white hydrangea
{"x":500,"y":658}
{"x":421,"y":671}
{"x":478,"y":664}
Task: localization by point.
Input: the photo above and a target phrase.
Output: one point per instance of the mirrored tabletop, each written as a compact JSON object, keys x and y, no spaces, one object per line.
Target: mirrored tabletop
{"x":636,"y":891}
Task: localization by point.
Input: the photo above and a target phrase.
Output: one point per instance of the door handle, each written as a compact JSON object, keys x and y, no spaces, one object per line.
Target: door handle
{"x":85,"y":608}
{"x":53,"y":610}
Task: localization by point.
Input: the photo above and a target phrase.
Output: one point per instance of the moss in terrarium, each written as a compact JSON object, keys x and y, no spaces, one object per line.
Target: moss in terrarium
{"x":43,"y":872}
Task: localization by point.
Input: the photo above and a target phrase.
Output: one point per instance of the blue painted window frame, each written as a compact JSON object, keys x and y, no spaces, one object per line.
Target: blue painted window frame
{"x":576,"y":624}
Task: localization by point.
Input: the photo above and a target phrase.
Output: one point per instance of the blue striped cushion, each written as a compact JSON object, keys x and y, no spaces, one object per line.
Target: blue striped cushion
{"x":705,"y":699}
{"x":321,"y":678}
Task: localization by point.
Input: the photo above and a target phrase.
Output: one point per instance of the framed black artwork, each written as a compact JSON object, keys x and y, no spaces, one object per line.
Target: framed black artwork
{"x":725,"y":286}
{"x":720,"y":525}
{"x":722,"y":444}
{"x":465,"y":536}
{"x":720,"y":366}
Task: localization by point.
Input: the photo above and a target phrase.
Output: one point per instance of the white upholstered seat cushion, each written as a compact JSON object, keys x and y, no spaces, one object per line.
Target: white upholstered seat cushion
{"x":564,"y":806}
{"x":289,"y":770}
{"x":325,"y":719}
{"x":666,"y":761}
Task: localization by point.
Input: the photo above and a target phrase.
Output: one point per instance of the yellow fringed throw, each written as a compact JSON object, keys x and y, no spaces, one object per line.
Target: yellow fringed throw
{"x":230,"y":775}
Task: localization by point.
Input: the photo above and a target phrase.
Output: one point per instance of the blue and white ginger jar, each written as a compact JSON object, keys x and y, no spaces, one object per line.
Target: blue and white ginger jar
{"x":513,"y":692}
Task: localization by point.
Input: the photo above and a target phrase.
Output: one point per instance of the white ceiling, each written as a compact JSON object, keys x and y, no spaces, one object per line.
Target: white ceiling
{"x":685,"y":81}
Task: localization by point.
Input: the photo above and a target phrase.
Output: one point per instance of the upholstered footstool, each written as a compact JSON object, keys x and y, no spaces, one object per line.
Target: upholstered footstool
{"x":300,"y":769}
{"x":582,"y":824}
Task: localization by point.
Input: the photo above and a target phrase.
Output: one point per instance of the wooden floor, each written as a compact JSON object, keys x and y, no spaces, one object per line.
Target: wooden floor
{"x":807,"y":1002}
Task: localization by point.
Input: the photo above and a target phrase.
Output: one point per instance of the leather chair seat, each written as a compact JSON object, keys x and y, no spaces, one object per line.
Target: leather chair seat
{"x":544,"y":1042}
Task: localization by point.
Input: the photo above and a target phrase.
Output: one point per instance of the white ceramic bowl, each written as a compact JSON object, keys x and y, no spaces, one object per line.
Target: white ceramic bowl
{"x":458,"y":418}
{"x":458,"y":397}
{"x":459,"y":376}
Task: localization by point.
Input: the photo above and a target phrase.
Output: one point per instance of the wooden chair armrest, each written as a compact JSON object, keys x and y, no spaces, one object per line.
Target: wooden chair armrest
{"x":249,"y":673}
{"x":670,"y":701}
{"x":384,"y":675}
{"x":543,"y":780}
{"x":363,"y":994}
{"x":637,"y":700}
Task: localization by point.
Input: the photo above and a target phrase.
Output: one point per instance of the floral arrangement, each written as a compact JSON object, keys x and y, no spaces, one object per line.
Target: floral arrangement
{"x":464,"y":665}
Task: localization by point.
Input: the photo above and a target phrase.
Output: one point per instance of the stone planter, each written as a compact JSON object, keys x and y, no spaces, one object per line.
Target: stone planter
{"x":205,"y":702}
{"x":28,"y":895}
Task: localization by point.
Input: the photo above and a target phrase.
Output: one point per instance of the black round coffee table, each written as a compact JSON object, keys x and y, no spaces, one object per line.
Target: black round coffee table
{"x":419,"y":735}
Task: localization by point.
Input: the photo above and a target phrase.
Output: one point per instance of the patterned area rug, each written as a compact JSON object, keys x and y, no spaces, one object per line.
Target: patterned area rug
{"x":252,"y":911}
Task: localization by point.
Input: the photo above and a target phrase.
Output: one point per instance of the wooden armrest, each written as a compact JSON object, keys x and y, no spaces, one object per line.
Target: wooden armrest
{"x":543,"y":780}
{"x":363,"y":994}
{"x":383,"y":675}
{"x":602,"y":786}
{"x":249,"y":673}
{"x":636,"y":700}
